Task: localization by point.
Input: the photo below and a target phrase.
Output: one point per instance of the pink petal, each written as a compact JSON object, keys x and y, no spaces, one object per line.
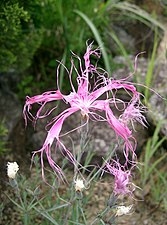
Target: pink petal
{"x":40,"y":99}
{"x":54,"y":133}
{"x":122,"y":178}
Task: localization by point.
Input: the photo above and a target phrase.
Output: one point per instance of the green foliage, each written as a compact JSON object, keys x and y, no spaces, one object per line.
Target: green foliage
{"x":3,"y":133}
{"x":36,"y":33}
{"x":135,"y":12}
{"x":18,"y":37}
{"x":58,"y":203}
{"x":152,"y":147}
{"x":52,"y":26}
{"x":32,"y":201}
{"x":98,"y":39}
{"x":158,"y":192}
{"x":153,"y":160}
{"x":29,"y":86}
{"x":75,"y":22}
{"x":24,"y":87}
{"x":150,"y":69}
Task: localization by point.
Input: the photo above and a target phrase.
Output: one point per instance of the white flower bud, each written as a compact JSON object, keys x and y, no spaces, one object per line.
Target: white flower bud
{"x":79,"y":185}
{"x":123,"y":210}
{"x":12,"y":168}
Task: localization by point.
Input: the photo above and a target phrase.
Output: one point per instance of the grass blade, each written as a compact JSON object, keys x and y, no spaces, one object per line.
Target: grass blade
{"x":146,"y":17}
{"x":150,"y":69}
{"x":97,"y":37}
{"x":121,"y":47}
{"x":46,"y":215}
{"x":155,"y":164}
{"x":57,"y":207}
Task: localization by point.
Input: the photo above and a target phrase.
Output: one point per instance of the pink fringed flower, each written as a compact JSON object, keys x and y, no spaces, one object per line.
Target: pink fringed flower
{"x":85,"y":98}
{"x":122,"y":178}
{"x":133,"y":112}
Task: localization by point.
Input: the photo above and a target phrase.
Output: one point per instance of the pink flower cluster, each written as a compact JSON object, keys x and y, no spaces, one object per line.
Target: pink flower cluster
{"x":122,"y":178}
{"x":86,"y":99}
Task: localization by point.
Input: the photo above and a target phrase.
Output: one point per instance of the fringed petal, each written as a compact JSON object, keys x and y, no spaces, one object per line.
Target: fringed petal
{"x":53,"y":134}
{"x":86,"y":99}
{"x":41,"y":100}
{"x":122,"y":177}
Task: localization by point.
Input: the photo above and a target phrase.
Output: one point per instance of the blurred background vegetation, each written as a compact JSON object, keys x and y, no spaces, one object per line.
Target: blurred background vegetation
{"x":36,"y":33}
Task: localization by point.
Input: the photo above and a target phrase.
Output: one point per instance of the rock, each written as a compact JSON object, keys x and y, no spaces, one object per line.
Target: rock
{"x":12,"y":119}
{"x":124,"y":37}
{"x":158,"y":105}
{"x":157,"y":102}
{"x":11,"y":115}
{"x":11,"y":110}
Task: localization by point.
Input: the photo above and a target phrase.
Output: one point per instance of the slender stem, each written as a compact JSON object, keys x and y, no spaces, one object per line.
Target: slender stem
{"x":83,"y":138}
{"x":75,"y":202}
{"x":24,"y":207}
{"x":77,"y":211}
{"x":84,"y":131}
{"x":69,"y":207}
{"x":101,"y":215}
{"x":26,"y":218}
{"x":111,"y":203}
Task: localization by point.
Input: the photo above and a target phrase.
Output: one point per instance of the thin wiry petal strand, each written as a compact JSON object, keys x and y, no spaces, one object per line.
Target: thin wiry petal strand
{"x":41,"y":100}
{"x":112,"y":85}
{"x":132,"y":113}
{"x":117,"y":125}
{"x":53,"y":134}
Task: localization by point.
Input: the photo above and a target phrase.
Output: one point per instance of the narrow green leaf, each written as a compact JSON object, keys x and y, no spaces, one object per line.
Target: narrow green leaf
{"x":156,"y":133}
{"x":155,"y":164}
{"x":121,"y":47}
{"x":83,"y":215}
{"x":150,"y":69}
{"x":98,"y":39}
{"x":15,"y":203}
{"x":62,"y":70}
{"x":57,"y":207}
{"x":129,"y":7}
{"x":75,"y":222}
{"x":159,"y":143}
{"x":147,"y":153}
{"x":46,"y":215}
{"x":102,"y":222}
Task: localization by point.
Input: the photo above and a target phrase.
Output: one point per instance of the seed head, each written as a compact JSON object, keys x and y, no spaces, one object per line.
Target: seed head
{"x":12,"y":168}
{"x":79,"y":185}
{"x":123,"y":210}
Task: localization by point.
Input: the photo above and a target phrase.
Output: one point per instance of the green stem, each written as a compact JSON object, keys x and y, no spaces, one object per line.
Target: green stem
{"x":26,"y":222}
{"x":101,"y":215}
{"x":83,"y":138}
